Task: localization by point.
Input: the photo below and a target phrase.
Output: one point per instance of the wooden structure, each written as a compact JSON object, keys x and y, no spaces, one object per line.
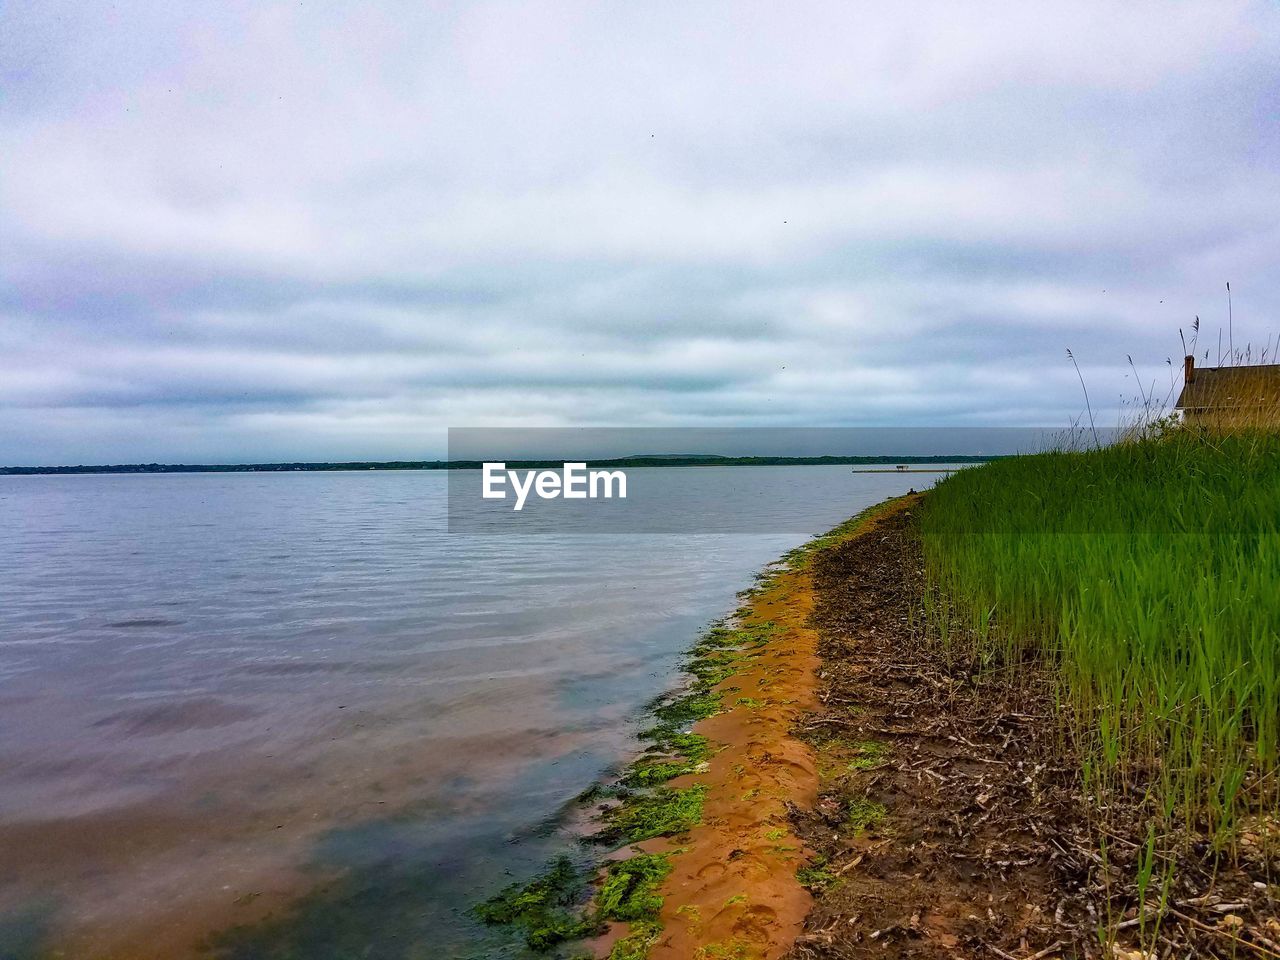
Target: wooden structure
{"x":1230,"y":398}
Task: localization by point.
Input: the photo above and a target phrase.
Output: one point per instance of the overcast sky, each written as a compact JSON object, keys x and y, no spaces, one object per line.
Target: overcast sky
{"x":327,"y":231}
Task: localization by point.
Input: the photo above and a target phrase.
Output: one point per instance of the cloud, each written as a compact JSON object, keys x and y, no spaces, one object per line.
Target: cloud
{"x":253,"y":231}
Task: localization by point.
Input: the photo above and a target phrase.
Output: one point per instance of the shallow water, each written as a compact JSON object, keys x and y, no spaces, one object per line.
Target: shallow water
{"x":290,"y":715}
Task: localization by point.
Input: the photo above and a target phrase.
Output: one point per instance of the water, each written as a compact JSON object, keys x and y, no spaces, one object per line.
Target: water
{"x":290,"y":715}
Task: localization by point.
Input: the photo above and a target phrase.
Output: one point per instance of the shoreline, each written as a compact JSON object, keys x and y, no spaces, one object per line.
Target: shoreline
{"x":698,"y":849}
{"x":869,"y":782}
{"x":734,"y":888}
{"x":732,"y":885}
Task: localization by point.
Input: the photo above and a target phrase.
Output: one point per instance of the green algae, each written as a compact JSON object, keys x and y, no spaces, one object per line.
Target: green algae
{"x":732,"y":950}
{"x":802,"y":556}
{"x":630,"y":889}
{"x":646,"y":807}
{"x":671,"y":754}
{"x":556,"y":906}
{"x":676,"y":715}
{"x":637,"y":944}
{"x":549,"y":909}
{"x":651,"y":771}
{"x":663,"y":811}
{"x":694,"y":747}
{"x":601,"y":791}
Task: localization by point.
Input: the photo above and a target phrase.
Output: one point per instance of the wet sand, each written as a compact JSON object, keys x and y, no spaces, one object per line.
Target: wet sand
{"x":733,"y":885}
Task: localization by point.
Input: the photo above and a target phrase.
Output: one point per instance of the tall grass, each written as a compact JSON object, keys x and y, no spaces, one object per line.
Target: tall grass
{"x":1148,"y":575}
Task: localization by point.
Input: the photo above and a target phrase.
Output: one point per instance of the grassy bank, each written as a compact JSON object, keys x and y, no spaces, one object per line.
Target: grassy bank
{"x":1148,"y":575}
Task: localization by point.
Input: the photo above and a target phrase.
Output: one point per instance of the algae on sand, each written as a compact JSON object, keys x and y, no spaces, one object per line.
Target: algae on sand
{"x":550,"y":908}
{"x":555,"y":906}
{"x":646,"y":807}
{"x":637,"y":944}
{"x":665,"y":811}
{"x":630,"y":889}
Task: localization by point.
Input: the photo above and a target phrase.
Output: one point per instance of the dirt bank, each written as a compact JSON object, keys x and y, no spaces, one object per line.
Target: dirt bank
{"x":934,"y":795}
{"x":951,"y":818}
{"x":873,"y":791}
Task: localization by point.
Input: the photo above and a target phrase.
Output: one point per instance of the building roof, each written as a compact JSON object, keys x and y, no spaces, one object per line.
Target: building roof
{"x":1215,"y":388}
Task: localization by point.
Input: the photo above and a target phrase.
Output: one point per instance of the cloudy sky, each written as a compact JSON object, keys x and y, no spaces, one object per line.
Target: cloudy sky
{"x":324,"y":230}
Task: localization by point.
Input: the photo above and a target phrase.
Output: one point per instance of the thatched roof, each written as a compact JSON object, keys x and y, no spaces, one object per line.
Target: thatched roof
{"x":1221,"y":388}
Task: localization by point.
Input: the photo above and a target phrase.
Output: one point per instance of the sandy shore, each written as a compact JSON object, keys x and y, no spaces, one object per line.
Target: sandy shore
{"x":733,"y":889}
{"x":734,"y":884}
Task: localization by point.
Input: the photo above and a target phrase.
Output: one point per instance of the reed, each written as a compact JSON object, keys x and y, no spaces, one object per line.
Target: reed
{"x":1147,"y":574}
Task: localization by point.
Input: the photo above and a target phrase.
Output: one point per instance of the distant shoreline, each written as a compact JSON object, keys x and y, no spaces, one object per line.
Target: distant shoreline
{"x":637,"y":461}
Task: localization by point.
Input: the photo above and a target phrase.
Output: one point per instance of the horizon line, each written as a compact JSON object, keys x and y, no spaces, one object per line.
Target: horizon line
{"x":635,"y":460}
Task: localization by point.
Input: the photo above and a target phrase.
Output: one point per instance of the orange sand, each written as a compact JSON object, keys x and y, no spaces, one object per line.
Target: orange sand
{"x":733,"y":886}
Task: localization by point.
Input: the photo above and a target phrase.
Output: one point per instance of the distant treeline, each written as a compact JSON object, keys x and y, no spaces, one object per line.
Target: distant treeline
{"x":637,"y":461}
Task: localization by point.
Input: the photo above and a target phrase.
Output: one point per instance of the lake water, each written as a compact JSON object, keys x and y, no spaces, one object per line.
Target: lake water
{"x":290,"y":715}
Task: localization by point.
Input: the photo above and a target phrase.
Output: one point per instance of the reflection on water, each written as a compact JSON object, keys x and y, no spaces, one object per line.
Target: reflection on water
{"x":288,"y":715}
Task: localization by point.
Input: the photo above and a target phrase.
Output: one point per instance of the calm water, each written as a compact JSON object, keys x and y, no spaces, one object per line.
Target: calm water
{"x":290,"y":715}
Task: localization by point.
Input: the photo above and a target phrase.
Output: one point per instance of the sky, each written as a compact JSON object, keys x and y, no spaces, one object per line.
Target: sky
{"x":329,"y":231}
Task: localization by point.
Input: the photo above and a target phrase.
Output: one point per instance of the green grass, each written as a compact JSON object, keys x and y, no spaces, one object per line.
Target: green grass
{"x":816,"y":876}
{"x":870,"y":755}
{"x":1148,"y":575}
{"x":862,"y":814}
